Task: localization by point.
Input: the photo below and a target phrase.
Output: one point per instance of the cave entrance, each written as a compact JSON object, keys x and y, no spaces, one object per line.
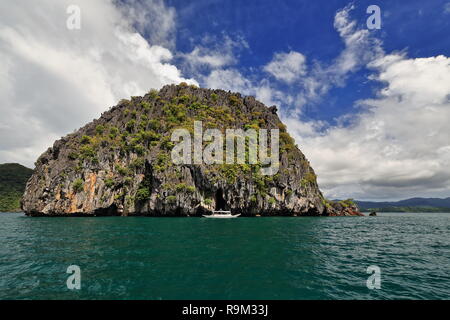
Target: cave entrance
{"x":221,"y":204}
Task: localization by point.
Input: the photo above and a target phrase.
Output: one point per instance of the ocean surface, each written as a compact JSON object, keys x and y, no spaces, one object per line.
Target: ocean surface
{"x":244,"y":258}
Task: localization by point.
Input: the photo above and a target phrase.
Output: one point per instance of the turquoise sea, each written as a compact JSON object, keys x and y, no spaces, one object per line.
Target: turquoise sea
{"x":244,"y":258}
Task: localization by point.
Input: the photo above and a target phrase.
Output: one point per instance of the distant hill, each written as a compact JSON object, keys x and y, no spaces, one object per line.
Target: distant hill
{"x":408,"y":205}
{"x":13,"y":178}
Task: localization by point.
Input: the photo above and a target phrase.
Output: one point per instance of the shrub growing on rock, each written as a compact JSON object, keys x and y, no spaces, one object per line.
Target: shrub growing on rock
{"x":143,"y":194}
{"x":78,"y":185}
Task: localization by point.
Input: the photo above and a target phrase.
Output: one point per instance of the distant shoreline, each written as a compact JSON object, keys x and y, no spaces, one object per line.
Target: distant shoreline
{"x":407,"y":210}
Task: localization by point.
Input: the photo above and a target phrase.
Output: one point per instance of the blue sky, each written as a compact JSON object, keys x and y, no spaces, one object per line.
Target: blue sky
{"x":307,"y":27}
{"x":368,"y":108}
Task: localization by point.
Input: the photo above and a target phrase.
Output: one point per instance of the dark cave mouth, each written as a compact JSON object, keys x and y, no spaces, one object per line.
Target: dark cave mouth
{"x":221,"y":204}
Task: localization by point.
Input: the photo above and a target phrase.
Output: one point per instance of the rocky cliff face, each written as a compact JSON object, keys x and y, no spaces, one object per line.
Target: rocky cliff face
{"x":120,"y":164}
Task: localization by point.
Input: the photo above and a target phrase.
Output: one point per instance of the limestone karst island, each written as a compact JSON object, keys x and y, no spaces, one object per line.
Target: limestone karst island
{"x":224,"y":155}
{"x":120,"y":164}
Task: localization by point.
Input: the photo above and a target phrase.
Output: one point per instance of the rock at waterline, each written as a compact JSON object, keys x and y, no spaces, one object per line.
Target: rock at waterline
{"x":342,"y":208}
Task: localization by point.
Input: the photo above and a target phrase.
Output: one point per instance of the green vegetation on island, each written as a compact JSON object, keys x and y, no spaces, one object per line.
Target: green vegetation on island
{"x":13,"y":178}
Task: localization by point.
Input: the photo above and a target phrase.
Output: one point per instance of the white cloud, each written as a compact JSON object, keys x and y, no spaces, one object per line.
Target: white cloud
{"x":212,"y":59}
{"x":287,"y":67}
{"x":360,"y":47}
{"x":152,"y":18}
{"x":54,"y":80}
{"x":213,"y":53}
{"x":228,"y":79}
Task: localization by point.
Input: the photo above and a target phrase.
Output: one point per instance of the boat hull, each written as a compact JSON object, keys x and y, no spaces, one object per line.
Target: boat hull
{"x":222,"y":216}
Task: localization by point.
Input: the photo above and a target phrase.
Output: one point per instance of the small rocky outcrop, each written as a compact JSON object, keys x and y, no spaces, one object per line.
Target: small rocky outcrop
{"x":373,"y":214}
{"x":120,"y":164}
{"x":342,"y":208}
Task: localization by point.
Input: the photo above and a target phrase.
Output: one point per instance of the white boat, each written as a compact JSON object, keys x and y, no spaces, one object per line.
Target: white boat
{"x":220,"y":214}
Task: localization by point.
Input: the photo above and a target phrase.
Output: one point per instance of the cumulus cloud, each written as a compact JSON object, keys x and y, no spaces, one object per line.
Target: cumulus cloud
{"x":287,"y":67}
{"x":213,"y":53}
{"x":228,"y":79}
{"x":54,"y":80}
